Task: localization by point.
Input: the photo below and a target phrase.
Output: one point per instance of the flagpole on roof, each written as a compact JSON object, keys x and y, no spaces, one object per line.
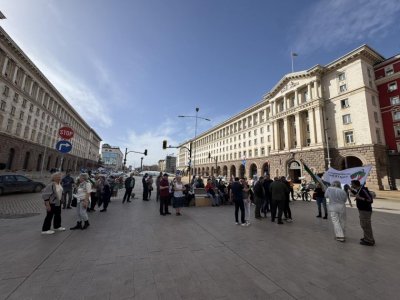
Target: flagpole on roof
{"x":292,"y":55}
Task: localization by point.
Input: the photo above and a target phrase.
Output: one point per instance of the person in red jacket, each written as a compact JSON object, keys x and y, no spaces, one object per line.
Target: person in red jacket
{"x":164,"y":195}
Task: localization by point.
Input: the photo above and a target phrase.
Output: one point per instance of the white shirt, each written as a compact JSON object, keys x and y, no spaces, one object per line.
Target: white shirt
{"x":337,"y":199}
{"x":178,"y":194}
{"x":84,"y":187}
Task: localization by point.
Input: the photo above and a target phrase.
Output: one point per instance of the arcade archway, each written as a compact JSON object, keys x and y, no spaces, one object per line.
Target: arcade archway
{"x":253,"y":170}
{"x":350,"y":162}
{"x":242,"y":171}
{"x":233,"y":171}
{"x":265,"y":169}
{"x":294,"y":171}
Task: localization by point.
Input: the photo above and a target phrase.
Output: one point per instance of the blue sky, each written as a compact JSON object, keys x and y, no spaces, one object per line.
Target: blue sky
{"x":131,"y":67}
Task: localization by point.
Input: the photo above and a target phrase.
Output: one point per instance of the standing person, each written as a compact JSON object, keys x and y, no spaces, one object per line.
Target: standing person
{"x":236,"y":196}
{"x":83,"y":199}
{"x":164,"y":195}
{"x":52,"y":195}
{"x":150,"y":185}
{"x":291,"y":186}
{"x":267,"y":201}
{"x":364,"y":204}
{"x":93,"y":194}
{"x":105,"y":195}
{"x":259,"y":196}
{"x":129,"y":185}
{"x":210,"y":190}
{"x":286,"y":208}
{"x":145,"y":187}
{"x":279,"y":192}
{"x":320,"y":197}
{"x":67,"y":184}
{"x":337,"y":209}
{"x":179,"y":198}
{"x":99,"y":188}
{"x":246,"y":201}
{"x":158,"y":180}
{"x":112,"y":184}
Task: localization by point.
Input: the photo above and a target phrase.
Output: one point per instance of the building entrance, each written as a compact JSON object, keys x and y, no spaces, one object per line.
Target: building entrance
{"x":294,"y":171}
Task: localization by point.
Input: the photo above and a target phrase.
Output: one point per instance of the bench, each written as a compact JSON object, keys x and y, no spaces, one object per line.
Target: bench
{"x":201,"y":198}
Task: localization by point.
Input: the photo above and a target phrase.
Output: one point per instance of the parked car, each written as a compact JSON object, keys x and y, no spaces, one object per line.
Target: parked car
{"x":11,"y":183}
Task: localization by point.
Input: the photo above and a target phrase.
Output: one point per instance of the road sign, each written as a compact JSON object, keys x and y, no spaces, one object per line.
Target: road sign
{"x":66,"y":132}
{"x":64,"y":146}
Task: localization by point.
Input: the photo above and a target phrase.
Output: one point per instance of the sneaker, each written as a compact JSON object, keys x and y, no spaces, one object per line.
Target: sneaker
{"x":326,"y":217}
{"x":237,"y":223}
{"x":248,"y":223}
{"x":289,"y":220}
{"x":59,"y":229}
{"x":365,"y":243}
{"x":48,"y":232}
{"x":243,"y":224}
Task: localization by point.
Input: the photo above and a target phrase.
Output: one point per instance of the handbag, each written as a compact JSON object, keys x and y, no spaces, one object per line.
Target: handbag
{"x":74,"y":202}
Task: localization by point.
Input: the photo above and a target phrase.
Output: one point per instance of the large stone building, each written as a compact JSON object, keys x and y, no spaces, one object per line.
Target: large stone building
{"x":324,"y":115}
{"x":31,"y":112}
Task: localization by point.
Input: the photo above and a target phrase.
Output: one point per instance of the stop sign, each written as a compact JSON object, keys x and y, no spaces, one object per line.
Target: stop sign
{"x":66,"y":132}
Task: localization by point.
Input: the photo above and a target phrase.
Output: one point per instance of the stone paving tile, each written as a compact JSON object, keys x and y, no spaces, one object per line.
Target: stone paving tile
{"x":131,"y":252}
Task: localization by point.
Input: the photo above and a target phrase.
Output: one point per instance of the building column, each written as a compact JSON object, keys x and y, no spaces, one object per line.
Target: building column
{"x":311,"y":125}
{"x":15,"y":74}
{"x":286,"y":132}
{"x":275,"y":136}
{"x":284,"y":102}
{"x":272,"y":108}
{"x":296,"y":98}
{"x":30,"y":88}
{"x":319,"y":125}
{"x":309,"y":91}
{"x":316,"y":89}
{"x":23,"y":82}
{"x":299,"y":134}
{"x":3,"y":71}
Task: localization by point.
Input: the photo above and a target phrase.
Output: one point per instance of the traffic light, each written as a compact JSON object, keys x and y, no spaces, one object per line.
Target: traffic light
{"x":164,"y":144}
{"x":145,"y":152}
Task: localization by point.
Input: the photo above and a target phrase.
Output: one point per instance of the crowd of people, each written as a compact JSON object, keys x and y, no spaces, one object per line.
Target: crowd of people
{"x":267,"y":196}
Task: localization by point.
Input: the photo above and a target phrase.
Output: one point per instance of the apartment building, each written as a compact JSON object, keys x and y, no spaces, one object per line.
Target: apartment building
{"x":31,"y":112}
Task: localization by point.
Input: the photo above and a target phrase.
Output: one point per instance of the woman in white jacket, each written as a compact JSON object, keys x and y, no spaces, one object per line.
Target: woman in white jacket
{"x":337,"y":209}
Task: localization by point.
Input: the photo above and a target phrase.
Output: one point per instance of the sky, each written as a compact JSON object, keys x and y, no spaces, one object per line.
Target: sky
{"x":130,"y":67}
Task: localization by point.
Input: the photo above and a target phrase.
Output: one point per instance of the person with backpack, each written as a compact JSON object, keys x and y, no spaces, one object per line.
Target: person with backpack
{"x":364,"y":202}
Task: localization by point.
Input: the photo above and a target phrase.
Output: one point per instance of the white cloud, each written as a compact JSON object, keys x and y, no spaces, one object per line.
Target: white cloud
{"x":329,"y":23}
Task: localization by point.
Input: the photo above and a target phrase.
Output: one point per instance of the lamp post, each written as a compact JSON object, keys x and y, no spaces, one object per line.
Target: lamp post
{"x":328,"y":158}
{"x":195,"y":136}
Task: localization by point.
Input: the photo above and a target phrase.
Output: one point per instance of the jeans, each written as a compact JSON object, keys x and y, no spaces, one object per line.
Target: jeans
{"x":339,"y":222}
{"x":239,"y":204}
{"x":277,"y":205}
{"x":247,"y":204}
{"x":64,"y":198}
{"x":259,"y":203}
{"x":215,"y":200}
{"x":55,"y":212}
{"x":321,"y":200}
{"x":127,"y":194}
{"x":365,"y":222}
{"x":82,"y":212}
{"x":164,"y":204}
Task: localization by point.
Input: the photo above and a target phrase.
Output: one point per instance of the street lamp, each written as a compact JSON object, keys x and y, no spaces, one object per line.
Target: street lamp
{"x":195,"y":136}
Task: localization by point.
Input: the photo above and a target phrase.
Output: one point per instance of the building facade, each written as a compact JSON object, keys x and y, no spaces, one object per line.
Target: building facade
{"x":387,"y":76}
{"x":112,"y":157}
{"x":31,"y":112}
{"x":323,"y":116}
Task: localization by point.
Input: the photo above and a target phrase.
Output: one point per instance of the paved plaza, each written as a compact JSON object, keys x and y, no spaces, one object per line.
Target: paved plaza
{"x":131,"y":252}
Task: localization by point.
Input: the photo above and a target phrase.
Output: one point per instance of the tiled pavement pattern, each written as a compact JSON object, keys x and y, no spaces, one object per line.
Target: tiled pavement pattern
{"x":131,"y":252}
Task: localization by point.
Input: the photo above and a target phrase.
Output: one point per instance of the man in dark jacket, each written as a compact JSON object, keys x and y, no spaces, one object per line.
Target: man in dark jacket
{"x":286,"y":208}
{"x":364,"y":205}
{"x":129,"y":185}
{"x":67,"y":184}
{"x":259,"y":196}
{"x":145,"y":188}
{"x":267,"y":200}
{"x":164,"y":195}
{"x":236,"y":195}
{"x":279,"y":191}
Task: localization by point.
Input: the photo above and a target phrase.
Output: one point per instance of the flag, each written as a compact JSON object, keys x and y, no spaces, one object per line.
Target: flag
{"x":347,"y":175}
{"x":314,"y":177}
{"x":294,"y":54}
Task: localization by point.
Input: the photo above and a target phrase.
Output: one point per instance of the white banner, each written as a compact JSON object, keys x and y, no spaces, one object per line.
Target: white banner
{"x":347,"y":175}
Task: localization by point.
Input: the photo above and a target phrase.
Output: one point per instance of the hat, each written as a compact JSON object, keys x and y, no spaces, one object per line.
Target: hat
{"x":165,"y":174}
